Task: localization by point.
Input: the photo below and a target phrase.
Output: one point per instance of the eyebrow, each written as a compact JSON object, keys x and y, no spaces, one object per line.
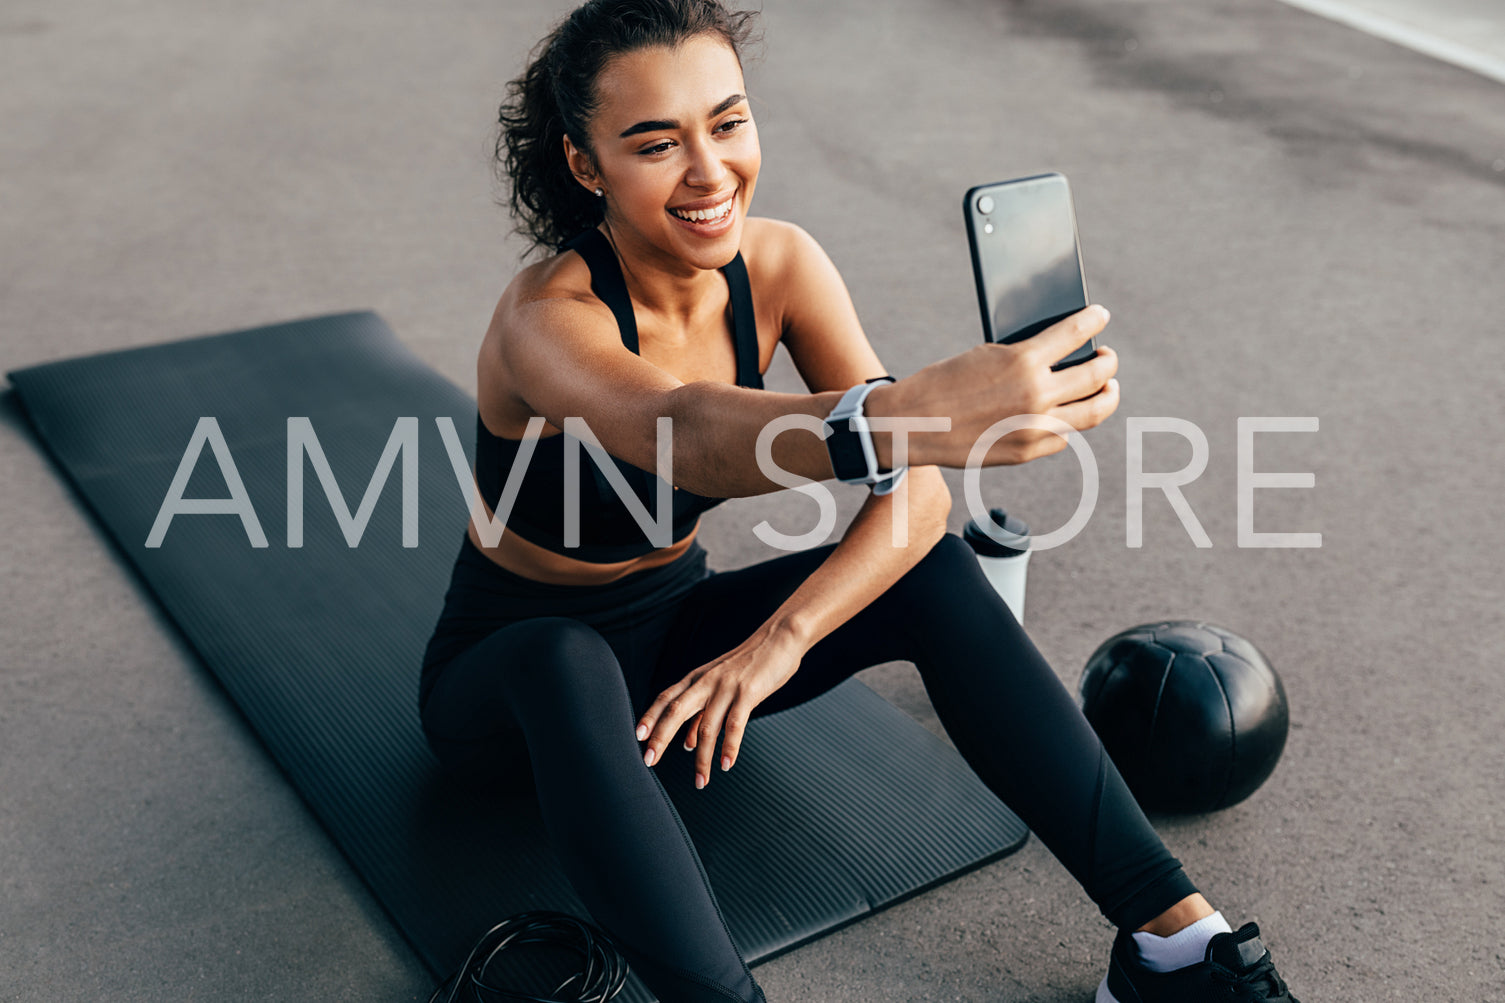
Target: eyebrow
{"x":664,"y":124}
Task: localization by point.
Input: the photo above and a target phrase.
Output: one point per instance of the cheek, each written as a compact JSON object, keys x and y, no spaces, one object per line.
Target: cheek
{"x":649,"y":184}
{"x":750,"y":155}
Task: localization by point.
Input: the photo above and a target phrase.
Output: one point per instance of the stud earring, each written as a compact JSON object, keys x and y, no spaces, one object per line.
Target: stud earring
{"x":600,"y":193}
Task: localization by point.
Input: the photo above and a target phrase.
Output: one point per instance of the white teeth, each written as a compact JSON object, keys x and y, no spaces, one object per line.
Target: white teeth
{"x":716,"y":212}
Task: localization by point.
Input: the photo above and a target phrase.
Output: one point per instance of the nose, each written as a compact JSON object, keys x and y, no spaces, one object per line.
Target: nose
{"x":706,"y":169}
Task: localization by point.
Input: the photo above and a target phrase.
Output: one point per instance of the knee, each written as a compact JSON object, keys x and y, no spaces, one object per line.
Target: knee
{"x":951,"y":550}
{"x":557,"y":661}
{"x":948,"y":564}
{"x":947,"y":582}
{"x":558,"y":641}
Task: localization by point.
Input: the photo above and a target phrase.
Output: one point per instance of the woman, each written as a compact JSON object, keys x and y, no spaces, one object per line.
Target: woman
{"x":632,"y":153}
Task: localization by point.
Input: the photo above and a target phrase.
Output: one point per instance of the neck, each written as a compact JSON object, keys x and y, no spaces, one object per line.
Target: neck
{"x":662,"y":284}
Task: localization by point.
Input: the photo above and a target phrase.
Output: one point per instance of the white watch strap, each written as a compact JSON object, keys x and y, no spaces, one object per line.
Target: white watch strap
{"x":850,"y":408}
{"x":887,"y":482}
{"x":850,"y":404}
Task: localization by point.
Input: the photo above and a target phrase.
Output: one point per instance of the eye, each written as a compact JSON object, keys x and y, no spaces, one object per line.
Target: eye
{"x":655,"y":148}
{"x":732,"y":125}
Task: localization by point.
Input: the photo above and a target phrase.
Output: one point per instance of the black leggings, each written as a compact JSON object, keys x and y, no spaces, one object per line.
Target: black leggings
{"x":558,"y":675}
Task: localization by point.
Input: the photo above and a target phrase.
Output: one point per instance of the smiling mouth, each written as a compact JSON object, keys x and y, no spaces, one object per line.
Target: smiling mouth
{"x":706,"y":215}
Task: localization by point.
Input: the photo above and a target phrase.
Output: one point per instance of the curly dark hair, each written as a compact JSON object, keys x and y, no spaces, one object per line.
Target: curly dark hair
{"x":556,"y":96}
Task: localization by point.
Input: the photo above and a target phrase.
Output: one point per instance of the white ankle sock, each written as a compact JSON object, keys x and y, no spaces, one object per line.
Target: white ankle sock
{"x":1187,"y":946}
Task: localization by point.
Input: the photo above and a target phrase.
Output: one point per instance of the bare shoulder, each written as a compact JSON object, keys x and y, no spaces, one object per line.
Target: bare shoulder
{"x":815,"y":317}
{"x":782,"y":259}
{"x":542,"y":287}
{"x":773,"y":248}
{"x":545,"y":304}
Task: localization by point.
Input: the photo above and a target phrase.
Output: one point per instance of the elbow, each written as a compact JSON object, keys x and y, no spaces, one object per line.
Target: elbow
{"x":691,"y":456}
{"x":715,"y":439}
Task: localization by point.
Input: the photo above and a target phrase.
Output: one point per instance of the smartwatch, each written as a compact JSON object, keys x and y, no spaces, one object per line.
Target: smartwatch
{"x":849,"y":442}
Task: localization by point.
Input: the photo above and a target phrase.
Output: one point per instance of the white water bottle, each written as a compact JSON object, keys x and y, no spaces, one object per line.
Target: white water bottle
{"x":1002,"y":548}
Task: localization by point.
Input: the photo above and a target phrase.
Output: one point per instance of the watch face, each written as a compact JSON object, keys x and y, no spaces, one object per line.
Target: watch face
{"x":845,"y":447}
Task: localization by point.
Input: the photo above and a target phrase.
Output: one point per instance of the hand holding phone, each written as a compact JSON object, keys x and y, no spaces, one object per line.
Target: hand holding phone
{"x":987,"y":383}
{"x":1026,"y":259}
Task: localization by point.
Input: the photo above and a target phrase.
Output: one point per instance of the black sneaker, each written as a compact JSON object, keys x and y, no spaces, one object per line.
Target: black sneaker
{"x":1236,"y":967}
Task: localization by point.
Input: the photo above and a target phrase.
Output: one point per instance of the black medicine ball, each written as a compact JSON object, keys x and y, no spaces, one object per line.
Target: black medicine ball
{"x":1193,"y":715}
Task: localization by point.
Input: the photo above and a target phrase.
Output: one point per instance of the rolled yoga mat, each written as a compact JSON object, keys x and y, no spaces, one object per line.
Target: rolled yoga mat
{"x":319,"y":646}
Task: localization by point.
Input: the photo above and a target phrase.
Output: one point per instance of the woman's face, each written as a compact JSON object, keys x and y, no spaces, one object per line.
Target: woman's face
{"x":674,"y":136}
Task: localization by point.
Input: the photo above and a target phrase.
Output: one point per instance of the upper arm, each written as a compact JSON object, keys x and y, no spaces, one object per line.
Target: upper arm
{"x":821,"y":331}
{"x":823,"y":335}
{"x":565,"y":358}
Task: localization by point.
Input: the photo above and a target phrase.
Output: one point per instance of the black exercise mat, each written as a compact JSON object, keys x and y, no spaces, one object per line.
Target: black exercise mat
{"x":836,"y":808}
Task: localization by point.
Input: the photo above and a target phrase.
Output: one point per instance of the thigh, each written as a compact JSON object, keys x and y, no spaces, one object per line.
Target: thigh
{"x":721,"y":612}
{"x":547,"y":672}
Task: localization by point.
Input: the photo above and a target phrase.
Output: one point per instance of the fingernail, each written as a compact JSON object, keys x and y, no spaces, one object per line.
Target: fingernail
{"x":642,"y":732}
{"x":726,"y":763}
{"x":686,"y":746}
{"x":699,"y":781}
{"x":648,"y":759}
{"x":1106,"y":314}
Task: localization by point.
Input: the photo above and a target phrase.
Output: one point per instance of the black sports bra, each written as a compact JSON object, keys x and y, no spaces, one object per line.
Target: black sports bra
{"x":608,"y":531}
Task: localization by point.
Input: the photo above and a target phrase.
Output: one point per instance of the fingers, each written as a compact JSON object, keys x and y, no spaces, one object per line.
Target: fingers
{"x":708,"y":713}
{"x":661,"y":721}
{"x":736,"y":724}
{"x":1067,"y":335}
{"x":1085,"y":379}
{"x":705,"y":740}
{"x":1089,"y":411}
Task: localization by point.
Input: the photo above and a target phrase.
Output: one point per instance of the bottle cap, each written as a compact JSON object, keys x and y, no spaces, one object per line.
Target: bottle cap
{"x":1004,"y":536}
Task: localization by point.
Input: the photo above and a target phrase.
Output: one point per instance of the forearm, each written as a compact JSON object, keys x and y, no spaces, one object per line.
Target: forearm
{"x":716,"y":428}
{"x":866,"y":561}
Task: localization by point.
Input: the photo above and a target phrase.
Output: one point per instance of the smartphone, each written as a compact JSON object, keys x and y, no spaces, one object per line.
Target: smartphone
{"x":1026,"y":259}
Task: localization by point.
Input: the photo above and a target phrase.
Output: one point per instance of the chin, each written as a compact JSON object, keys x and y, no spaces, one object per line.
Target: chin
{"x":721,"y":248}
{"x":708,"y":246}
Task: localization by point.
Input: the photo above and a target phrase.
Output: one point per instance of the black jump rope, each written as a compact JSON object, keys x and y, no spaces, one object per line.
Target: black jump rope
{"x":601,"y":977}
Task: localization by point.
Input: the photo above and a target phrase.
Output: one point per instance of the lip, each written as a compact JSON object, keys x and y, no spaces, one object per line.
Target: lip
{"x":709,"y":231}
{"x":705,"y":203}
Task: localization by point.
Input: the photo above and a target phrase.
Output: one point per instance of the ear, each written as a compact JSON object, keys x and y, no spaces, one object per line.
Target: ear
{"x":581,"y":165}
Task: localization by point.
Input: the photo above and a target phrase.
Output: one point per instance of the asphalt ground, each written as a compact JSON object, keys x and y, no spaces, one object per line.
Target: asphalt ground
{"x":1287,"y":218}
{"x":1467,"y":33}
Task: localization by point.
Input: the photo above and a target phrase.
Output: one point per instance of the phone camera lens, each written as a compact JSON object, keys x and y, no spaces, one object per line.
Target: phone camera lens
{"x":985,"y":204}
